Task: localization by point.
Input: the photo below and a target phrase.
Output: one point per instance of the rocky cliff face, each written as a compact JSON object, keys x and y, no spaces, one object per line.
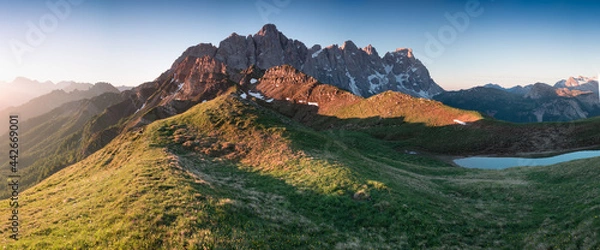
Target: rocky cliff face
{"x":541,"y":90}
{"x":296,"y":94}
{"x":361,"y":71}
{"x":559,"y":110}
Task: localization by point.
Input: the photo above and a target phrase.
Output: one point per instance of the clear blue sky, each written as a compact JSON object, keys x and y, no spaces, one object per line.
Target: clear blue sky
{"x":130,"y":42}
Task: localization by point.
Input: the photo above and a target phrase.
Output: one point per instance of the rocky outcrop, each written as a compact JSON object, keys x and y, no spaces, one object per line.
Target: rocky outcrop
{"x":296,"y":94}
{"x":559,"y":110}
{"x":541,"y":90}
{"x":304,"y":99}
{"x":361,"y":71}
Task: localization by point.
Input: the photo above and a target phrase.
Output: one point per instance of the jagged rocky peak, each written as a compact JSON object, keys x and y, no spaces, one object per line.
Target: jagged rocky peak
{"x":268,"y":29}
{"x":193,"y":69}
{"x":361,"y":71}
{"x":370,"y":50}
{"x":349,"y":45}
{"x":572,"y":82}
{"x":575,"y":86}
{"x":200,"y":50}
{"x":407,"y":52}
{"x":577,"y":81}
{"x":236,"y":51}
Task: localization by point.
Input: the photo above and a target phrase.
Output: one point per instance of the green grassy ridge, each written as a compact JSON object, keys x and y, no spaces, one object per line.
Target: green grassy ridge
{"x":181,"y":184}
{"x":118,"y":159}
{"x":391,"y":104}
{"x":98,"y":202}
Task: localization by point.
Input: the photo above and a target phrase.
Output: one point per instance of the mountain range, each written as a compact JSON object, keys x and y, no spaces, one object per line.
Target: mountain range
{"x":47,"y":102}
{"x":567,"y":100}
{"x":245,"y":146}
{"x":22,"y":89}
{"x":361,"y":71}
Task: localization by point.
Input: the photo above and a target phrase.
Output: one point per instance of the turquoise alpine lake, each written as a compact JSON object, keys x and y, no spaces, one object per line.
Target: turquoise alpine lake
{"x":507,"y":162}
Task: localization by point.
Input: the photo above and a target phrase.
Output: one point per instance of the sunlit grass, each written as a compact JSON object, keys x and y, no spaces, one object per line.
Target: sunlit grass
{"x":228,"y":174}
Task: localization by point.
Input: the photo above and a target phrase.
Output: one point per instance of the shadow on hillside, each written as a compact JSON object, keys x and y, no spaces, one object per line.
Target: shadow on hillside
{"x":482,"y":137}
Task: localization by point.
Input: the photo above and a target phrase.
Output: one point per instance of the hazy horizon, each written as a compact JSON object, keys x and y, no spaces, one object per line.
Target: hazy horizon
{"x":129,"y":42}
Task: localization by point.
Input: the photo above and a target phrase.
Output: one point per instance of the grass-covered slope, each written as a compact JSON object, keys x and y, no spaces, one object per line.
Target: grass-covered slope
{"x":401,"y":108}
{"x":230,"y":174}
{"x":54,"y":140}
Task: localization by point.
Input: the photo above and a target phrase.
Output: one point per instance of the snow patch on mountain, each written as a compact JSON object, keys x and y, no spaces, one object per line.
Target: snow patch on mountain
{"x":316,"y":54}
{"x":401,"y":78}
{"x":256,"y":95}
{"x":352,"y":83}
{"x":460,"y":122}
{"x":423,"y":94}
{"x":388,"y":68}
{"x":138,"y":110}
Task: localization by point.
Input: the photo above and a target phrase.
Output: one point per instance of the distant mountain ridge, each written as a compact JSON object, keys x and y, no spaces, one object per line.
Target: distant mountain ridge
{"x":54,"y":139}
{"x":45,"y":103}
{"x":361,"y":71}
{"x":569,"y":99}
{"x":581,"y":83}
{"x":23,"y":89}
{"x":574,"y":82}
